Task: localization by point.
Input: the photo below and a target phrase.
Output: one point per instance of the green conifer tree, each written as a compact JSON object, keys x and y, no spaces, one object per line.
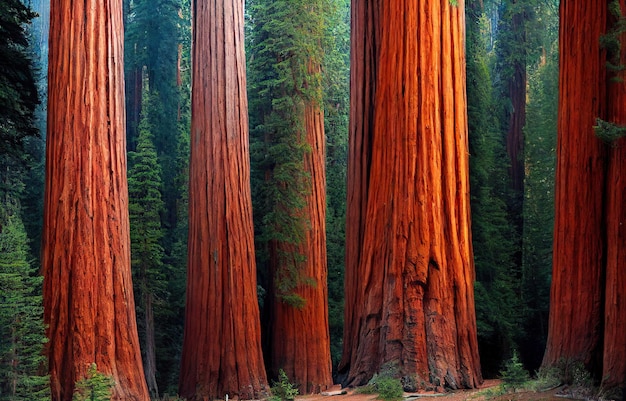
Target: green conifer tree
{"x":145,"y":206}
{"x":22,"y":336}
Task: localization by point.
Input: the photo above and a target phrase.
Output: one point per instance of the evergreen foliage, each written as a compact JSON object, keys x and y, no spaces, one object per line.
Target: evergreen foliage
{"x":514,"y":375}
{"x":96,"y":386}
{"x":336,"y":78}
{"x":540,"y":133}
{"x":18,"y":91}
{"x":283,"y":389}
{"x":284,"y":43}
{"x":498,"y":310}
{"x":22,"y":337}
{"x":145,"y":206}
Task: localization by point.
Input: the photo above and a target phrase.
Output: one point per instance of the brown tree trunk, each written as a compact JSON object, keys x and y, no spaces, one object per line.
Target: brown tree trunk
{"x":150,"y":345}
{"x":575,"y":323}
{"x":222,"y":341}
{"x":300,"y":340}
{"x":88,"y":295}
{"x":517,"y":94}
{"x":587,"y":312}
{"x":409,"y":303}
{"x":614,"y":358}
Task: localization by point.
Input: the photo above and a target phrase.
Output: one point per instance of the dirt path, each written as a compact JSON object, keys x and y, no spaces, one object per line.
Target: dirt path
{"x":481,"y":394}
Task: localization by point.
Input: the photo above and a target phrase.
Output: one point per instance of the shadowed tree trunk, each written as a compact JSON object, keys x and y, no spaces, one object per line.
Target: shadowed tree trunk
{"x":409,"y":265}
{"x":88,"y":296}
{"x":222,"y":341}
{"x":587,"y":312}
{"x":300,"y":340}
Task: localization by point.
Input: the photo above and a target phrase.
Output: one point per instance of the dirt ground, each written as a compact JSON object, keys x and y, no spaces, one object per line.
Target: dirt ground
{"x":482,"y":394}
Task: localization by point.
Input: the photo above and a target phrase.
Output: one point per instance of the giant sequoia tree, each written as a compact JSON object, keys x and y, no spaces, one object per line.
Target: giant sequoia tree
{"x":222,"y":342}
{"x":587,"y":310}
{"x":287,"y":53}
{"x":409,"y":269}
{"x":88,"y":297}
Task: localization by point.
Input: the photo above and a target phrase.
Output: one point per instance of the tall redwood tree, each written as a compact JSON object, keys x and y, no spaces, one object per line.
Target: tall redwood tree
{"x":587,"y":312}
{"x":409,"y":265}
{"x":222,"y":341}
{"x":286,"y":93}
{"x":88,"y":294}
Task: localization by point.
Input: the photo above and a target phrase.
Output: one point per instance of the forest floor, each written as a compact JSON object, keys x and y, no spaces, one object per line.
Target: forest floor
{"x":491,"y":390}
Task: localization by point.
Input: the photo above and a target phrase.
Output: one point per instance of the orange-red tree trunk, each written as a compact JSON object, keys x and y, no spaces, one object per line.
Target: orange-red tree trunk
{"x":88,"y":294}
{"x":409,"y":303}
{"x":222,"y":341}
{"x":300,"y":340}
{"x":587,"y":310}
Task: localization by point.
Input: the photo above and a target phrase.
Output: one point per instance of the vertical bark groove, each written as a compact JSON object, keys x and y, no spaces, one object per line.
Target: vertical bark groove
{"x":88,"y":297}
{"x":222,"y":344}
{"x":409,"y":265}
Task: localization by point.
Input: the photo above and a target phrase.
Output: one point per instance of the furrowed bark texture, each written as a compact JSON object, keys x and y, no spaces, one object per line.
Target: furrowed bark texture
{"x":300,"y":340}
{"x":222,"y":341}
{"x":88,"y":294}
{"x":409,"y":268}
{"x":587,"y":310}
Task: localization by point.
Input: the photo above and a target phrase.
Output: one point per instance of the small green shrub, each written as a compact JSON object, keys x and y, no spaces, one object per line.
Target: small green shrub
{"x":95,"y":386}
{"x":514,"y":375}
{"x":387,"y":387}
{"x":283,"y":389}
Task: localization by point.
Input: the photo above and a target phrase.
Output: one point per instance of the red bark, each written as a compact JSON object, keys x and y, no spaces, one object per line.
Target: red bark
{"x":222,"y":342}
{"x":614,"y":343}
{"x":300,"y":340}
{"x":88,"y":295}
{"x":587,"y":315}
{"x":409,"y":267}
{"x":576,"y":295}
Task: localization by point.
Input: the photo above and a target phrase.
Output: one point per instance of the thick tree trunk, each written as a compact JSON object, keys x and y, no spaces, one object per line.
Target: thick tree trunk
{"x":300,"y":340}
{"x":409,"y":265}
{"x":222,"y":341}
{"x":88,"y":294}
{"x":588,"y":310}
{"x":575,"y":323}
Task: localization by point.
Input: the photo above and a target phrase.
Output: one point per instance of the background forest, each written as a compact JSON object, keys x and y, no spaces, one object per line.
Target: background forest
{"x":512,"y":88}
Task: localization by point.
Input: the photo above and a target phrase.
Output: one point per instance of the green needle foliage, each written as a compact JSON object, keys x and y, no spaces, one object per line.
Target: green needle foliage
{"x":22,"y":335}
{"x":285,"y":43}
{"x":95,"y":386}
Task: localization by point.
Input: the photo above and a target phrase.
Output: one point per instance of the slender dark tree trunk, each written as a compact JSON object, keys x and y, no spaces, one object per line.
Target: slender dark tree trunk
{"x":222,"y":342}
{"x":409,"y":303}
{"x":88,"y":294}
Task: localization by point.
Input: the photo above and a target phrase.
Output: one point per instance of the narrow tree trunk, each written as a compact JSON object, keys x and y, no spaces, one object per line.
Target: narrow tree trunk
{"x":517,"y":118}
{"x":88,"y":294}
{"x":222,"y":345}
{"x":576,"y":298}
{"x":150,"y":346}
{"x":300,"y":340}
{"x":409,"y":265}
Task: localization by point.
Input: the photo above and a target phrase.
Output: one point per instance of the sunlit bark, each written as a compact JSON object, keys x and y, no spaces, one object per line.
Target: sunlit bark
{"x":222,"y":341}
{"x":409,"y":267}
{"x":88,"y":294}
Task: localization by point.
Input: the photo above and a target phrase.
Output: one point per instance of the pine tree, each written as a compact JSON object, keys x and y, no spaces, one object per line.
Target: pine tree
{"x":22,"y":336}
{"x":145,"y":208}
{"x":498,"y":309}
